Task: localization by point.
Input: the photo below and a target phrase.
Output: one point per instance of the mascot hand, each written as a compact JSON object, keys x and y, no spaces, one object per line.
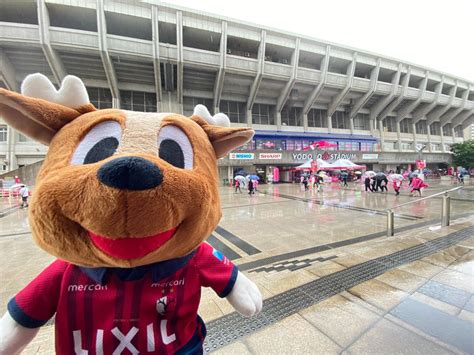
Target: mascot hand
{"x":14,"y":337}
{"x":245,"y":297}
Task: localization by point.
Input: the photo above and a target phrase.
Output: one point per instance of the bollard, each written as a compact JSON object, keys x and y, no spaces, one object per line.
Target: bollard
{"x":446,"y":210}
{"x":390,"y":224}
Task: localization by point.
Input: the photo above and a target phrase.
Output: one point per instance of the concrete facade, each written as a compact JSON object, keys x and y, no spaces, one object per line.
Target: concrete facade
{"x":150,"y":56}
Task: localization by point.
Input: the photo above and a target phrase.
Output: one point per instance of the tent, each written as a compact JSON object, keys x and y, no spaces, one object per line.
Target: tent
{"x":345,"y":164}
{"x":321,"y":165}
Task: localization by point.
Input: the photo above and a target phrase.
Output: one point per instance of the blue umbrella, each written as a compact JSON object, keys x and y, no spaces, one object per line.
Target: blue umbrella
{"x":254,"y":177}
{"x":241,"y":172}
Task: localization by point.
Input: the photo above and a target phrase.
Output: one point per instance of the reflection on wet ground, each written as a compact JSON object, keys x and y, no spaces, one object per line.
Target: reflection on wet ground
{"x":324,"y":262}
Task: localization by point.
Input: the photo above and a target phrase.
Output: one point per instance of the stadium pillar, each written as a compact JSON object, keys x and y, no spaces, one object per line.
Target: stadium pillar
{"x":55,"y":63}
{"x":8,"y":73}
{"x":219,"y":83}
{"x":404,"y":111}
{"x":179,"y":59}
{"x":414,"y":136}
{"x":374,"y":74}
{"x":258,"y":77}
{"x":156,"y":56}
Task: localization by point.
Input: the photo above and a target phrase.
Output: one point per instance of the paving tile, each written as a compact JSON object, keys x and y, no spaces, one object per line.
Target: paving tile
{"x":209,"y":310}
{"x":324,"y":268}
{"x":439,"y":259}
{"x":402,"y":280}
{"x":469,"y":306}
{"x":456,"y":279}
{"x":292,"y":335}
{"x":445,"y":293}
{"x":466,"y":315}
{"x":234,"y":348}
{"x":330,"y":314}
{"x":283,"y":282}
{"x":378,"y":294}
{"x":388,"y":338}
{"x":421,"y":268}
{"x":433,"y":302}
{"x":464,"y":264}
{"x":440,"y":325}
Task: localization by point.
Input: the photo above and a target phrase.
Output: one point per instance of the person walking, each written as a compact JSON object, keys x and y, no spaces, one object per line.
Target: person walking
{"x":344,"y":177}
{"x":367,"y":184}
{"x":374,"y":184}
{"x":305,"y":183}
{"x":237,"y":186}
{"x":319,"y":180}
{"x":24,"y":193}
{"x":397,"y":184}
{"x":250,"y":187}
{"x":255,"y":185}
{"x":417,"y":185}
{"x":383,"y":184}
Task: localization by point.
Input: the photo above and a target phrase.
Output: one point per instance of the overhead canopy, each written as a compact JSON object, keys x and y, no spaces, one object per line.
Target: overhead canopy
{"x":341,"y":164}
{"x":346,"y":164}
{"x":321,"y":165}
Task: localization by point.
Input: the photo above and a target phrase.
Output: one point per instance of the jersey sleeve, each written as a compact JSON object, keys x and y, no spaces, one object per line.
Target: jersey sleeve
{"x":215,"y":270}
{"x":34,"y":305}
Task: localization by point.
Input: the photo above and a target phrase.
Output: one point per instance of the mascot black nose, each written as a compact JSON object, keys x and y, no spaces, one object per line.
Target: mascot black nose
{"x":130,"y":173}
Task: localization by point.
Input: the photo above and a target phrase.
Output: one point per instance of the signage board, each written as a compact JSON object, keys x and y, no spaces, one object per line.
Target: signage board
{"x":241,"y":156}
{"x":270,"y":156}
{"x":324,"y":156}
{"x":370,"y":156}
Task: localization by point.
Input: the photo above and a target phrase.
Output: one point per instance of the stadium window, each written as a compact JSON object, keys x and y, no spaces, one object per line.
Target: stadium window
{"x":362,"y":122}
{"x":447,"y":130}
{"x":189,"y":103}
{"x":262,"y":114}
{"x":435,"y":129}
{"x":406,"y":126}
{"x":3,"y":133}
{"x":234,"y":110}
{"x":22,"y":138}
{"x":421,"y":127}
{"x":389,"y":124}
{"x":458,"y":131}
{"x":100,"y":97}
{"x":387,"y":145}
{"x":317,"y":118}
{"x":435,"y":147}
{"x":407,"y":146}
{"x":290,"y":116}
{"x":340,"y":120}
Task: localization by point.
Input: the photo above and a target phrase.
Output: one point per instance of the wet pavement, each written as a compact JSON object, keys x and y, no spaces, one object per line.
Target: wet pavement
{"x":332,"y":281}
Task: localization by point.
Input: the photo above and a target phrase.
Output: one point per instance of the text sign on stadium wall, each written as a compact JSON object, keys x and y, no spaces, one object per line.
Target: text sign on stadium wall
{"x":270,"y":156}
{"x":241,"y":156}
{"x":324,"y":156}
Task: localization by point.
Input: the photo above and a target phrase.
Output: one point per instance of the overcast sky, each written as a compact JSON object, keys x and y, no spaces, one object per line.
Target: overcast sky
{"x":433,"y":33}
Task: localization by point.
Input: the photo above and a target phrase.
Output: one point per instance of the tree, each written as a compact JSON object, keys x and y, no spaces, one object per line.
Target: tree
{"x":463,"y":154}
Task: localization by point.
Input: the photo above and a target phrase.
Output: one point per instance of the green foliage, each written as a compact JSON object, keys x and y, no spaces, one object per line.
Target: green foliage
{"x":463,"y":154}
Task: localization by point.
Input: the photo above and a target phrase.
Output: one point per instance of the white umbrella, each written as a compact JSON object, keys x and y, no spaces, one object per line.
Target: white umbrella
{"x":370,"y":173}
{"x":395,"y":177}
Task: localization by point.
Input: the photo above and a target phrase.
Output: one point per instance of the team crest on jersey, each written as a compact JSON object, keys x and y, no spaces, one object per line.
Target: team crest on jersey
{"x":165,"y":304}
{"x":221,"y":257}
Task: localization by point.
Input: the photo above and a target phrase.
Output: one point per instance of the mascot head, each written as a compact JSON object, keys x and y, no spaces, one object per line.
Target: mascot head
{"x":119,"y":188}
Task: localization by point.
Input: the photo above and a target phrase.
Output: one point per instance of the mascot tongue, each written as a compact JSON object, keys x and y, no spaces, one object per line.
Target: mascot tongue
{"x":131,"y":248}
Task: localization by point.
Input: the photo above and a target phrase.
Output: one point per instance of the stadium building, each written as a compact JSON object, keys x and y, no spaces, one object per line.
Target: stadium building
{"x":292,"y":89}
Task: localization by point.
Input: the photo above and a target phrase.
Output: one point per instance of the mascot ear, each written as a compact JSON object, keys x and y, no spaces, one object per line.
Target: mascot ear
{"x":41,"y":111}
{"x":222,"y":137}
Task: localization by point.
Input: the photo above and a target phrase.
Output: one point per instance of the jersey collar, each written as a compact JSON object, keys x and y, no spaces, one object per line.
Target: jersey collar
{"x":158,"y":271}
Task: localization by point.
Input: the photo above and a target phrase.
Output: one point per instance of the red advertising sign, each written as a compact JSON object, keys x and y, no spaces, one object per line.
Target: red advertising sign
{"x":420,"y":164}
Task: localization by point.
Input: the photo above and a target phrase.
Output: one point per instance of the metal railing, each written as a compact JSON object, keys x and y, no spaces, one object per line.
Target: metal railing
{"x":445,"y":209}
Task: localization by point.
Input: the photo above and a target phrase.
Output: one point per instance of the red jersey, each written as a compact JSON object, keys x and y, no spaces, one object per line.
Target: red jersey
{"x":147,"y":309}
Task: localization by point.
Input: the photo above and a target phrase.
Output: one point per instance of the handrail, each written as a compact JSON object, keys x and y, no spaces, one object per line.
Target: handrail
{"x":445,"y":209}
{"x":425,"y":198}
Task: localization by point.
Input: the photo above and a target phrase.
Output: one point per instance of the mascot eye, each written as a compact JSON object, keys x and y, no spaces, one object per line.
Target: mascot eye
{"x":100,"y":143}
{"x":175,"y":147}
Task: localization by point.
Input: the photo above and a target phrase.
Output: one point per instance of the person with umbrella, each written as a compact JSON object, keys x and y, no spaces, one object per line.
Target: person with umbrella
{"x":367,"y":183}
{"x":250,"y":187}
{"x":397,"y":180}
{"x":344,"y":177}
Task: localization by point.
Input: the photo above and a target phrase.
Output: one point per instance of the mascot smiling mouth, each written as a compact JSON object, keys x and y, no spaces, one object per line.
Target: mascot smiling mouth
{"x":131,"y":248}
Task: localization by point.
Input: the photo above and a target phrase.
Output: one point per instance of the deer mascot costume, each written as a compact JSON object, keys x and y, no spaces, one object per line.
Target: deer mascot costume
{"x":125,"y":201}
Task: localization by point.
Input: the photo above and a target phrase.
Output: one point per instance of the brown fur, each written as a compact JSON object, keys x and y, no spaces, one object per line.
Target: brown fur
{"x":69,"y":200}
